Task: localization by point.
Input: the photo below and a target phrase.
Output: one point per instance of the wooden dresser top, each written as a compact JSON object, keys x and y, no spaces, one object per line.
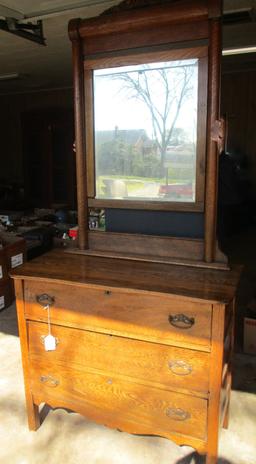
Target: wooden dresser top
{"x":203,"y":284}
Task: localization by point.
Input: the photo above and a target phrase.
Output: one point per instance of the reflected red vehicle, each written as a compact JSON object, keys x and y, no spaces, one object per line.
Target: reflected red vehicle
{"x":178,"y":190}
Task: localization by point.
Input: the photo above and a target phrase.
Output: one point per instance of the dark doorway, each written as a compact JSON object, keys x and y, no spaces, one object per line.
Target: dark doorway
{"x":49,"y":161}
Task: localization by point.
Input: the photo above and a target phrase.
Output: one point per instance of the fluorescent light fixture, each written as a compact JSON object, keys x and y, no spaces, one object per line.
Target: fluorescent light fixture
{"x":238,"y":51}
{"x":10,"y":76}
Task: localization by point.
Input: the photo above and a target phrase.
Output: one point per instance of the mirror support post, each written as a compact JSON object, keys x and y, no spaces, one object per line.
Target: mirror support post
{"x":78,"y":81}
{"x":212,"y":153}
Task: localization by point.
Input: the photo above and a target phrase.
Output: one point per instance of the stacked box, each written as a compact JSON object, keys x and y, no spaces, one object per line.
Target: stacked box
{"x":3,"y":267}
{"x":12,"y":254}
{"x":6,"y":294}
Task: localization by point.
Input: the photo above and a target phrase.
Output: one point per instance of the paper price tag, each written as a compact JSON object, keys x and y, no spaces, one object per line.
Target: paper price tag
{"x":1,"y":272}
{"x":2,"y":303}
{"x":17,"y":260}
{"x":49,"y":343}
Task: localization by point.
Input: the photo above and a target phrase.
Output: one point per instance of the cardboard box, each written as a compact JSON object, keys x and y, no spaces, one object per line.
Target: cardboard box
{"x":3,"y":267}
{"x":6,"y":294}
{"x":10,"y":216}
{"x":13,"y":253}
{"x":249,"y":335}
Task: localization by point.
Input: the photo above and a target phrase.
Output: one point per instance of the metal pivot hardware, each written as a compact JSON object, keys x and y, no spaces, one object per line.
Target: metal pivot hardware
{"x":181,"y":321}
{"x":177,"y":414}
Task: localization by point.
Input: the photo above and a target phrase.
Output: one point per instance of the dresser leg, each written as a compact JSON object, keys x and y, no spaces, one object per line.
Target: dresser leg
{"x":32,"y":408}
{"x":211,"y":459}
{"x":33,"y":415}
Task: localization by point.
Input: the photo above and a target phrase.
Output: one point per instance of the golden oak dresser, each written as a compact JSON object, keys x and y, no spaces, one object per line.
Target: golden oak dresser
{"x":134,"y":327}
{"x":145,"y":348}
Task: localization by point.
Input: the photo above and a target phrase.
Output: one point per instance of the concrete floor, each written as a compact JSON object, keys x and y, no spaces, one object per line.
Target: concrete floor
{"x":71,"y":439}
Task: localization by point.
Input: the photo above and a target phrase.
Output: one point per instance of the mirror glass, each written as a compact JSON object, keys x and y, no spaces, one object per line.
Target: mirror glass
{"x":145,"y":122}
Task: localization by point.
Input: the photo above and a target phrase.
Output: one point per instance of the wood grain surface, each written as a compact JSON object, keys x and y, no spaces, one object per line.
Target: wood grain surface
{"x":135,"y":58}
{"x":149,"y":363}
{"x":32,"y":407}
{"x":178,"y":33}
{"x":118,"y":312}
{"x":149,"y":246}
{"x":184,"y":282}
{"x":132,"y":401}
{"x":211,"y":186}
{"x":141,"y":18}
{"x":78,"y":82}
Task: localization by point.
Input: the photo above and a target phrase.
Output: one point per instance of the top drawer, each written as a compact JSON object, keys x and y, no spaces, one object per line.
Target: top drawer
{"x":160,"y":318}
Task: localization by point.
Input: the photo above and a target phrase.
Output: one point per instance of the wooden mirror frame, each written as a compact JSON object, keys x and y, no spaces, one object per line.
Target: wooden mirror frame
{"x":120,"y":36}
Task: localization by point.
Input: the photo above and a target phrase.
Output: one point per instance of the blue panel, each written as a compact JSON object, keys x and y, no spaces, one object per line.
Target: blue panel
{"x":164,"y":223}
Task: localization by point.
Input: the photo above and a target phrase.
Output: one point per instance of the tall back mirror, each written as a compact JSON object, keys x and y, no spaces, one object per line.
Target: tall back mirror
{"x":146,"y":108}
{"x":145,"y":131}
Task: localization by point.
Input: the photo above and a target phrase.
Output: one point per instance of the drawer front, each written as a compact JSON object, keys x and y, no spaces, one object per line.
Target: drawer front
{"x":149,"y":362}
{"x":161,"y":318}
{"x":113,"y":401}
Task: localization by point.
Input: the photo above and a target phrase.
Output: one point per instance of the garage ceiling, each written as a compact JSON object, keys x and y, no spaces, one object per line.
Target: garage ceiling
{"x":32,"y":8}
{"x":41,"y":67}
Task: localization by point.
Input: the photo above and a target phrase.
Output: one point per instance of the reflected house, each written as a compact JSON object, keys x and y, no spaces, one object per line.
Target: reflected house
{"x":123,"y":158}
{"x":128,"y":164}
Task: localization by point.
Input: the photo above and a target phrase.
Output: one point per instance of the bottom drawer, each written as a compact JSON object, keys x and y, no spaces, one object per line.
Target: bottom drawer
{"x":113,"y":402}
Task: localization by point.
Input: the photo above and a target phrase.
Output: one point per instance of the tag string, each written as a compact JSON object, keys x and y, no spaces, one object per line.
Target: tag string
{"x":48,"y":319}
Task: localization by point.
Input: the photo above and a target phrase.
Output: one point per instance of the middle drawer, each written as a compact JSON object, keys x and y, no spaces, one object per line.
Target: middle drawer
{"x":148,"y":362}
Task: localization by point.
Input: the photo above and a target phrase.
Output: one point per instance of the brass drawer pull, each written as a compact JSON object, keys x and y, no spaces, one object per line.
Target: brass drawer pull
{"x":177,"y":414}
{"x":49,"y":380}
{"x":181,"y":321}
{"x":180,"y":367}
{"x":45,"y":300}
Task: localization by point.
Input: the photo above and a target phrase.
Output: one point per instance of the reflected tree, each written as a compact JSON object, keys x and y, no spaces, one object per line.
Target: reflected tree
{"x":163,"y":91}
